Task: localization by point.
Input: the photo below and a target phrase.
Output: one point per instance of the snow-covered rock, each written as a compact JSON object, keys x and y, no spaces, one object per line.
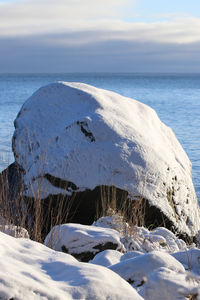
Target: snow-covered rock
{"x":167,"y":284}
{"x":107,"y":258}
{"x":131,"y":254}
{"x":190,"y":259}
{"x":141,"y":239}
{"x":82,"y":241}
{"x":29,"y":270}
{"x":72,"y":137}
{"x":136,"y":270}
{"x":167,"y":239}
{"x":112,"y":257}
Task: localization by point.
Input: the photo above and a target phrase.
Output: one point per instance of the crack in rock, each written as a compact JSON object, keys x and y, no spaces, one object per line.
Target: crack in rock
{"x":85,"y":130}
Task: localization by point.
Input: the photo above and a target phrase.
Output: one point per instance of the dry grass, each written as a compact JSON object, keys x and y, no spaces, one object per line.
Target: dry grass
{"x":33,"y":215}
{"x":38,"y":215}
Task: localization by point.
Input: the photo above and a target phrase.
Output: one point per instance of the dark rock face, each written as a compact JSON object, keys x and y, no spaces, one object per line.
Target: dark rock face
{"x":86,"y":256}
{"x":11,"y":193}
{"x":81,"y":207}
{"x":87,"y":206}
{"x":11,"y":183}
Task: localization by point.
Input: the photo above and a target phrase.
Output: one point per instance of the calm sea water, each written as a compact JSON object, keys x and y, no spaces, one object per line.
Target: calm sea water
{"x":175,"y":97}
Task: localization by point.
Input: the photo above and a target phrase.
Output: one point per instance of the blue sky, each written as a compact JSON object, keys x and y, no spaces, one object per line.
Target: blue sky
{"x":149,"y":8}
{"x":100,"y":36}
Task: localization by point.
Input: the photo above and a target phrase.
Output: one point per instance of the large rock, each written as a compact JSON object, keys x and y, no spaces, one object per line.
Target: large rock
{"x":72,"y":137}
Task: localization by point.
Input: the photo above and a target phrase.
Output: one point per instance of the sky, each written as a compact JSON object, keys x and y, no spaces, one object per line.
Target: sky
{"x":100,"y":36}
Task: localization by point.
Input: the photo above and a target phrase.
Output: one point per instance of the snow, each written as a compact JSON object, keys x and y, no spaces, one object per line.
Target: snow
{"x":136,"y":269}
{"x":123,"y":142}
{"x":29,"y":270}
{"x":77,"y":238}
{"x":130,"y":254}
{"x":190,"y":259}
{"x":107,"y":258}
{"x":140,"y":239}
{"x":166,"y":284}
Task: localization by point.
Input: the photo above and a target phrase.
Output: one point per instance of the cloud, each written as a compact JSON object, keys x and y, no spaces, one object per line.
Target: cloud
{"x":32,"y":54}
{"x":102,"y":18}
{"x":88,"y":35}
{"x":27,"y":17}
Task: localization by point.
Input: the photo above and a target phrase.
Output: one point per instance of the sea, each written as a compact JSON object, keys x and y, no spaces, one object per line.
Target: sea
{"x":175,"y":98}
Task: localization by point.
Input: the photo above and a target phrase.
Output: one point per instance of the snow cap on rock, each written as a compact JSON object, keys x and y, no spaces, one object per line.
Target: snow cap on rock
{"x":82,"y":241}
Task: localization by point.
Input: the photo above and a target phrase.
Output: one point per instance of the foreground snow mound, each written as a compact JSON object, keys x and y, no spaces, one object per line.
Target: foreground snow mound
{"x":88,"y":137}
{"x":135,"y":270}
{"x":29,"y":270}
{"x":82,"y":241}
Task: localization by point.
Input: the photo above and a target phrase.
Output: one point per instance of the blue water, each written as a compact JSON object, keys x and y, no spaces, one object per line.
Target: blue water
{"x":175,"y":97}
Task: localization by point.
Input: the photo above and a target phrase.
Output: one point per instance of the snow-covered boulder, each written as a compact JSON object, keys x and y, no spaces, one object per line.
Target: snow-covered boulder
{"x":136,"y":270}
{"x":72,"y":137}
{"x":130,"y":254}
{"x":190,"y":259}
{"x":107,"y":258}
{"x":29,"y":270}
{"x":81,"y":241}
{"x":167,"y":284}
